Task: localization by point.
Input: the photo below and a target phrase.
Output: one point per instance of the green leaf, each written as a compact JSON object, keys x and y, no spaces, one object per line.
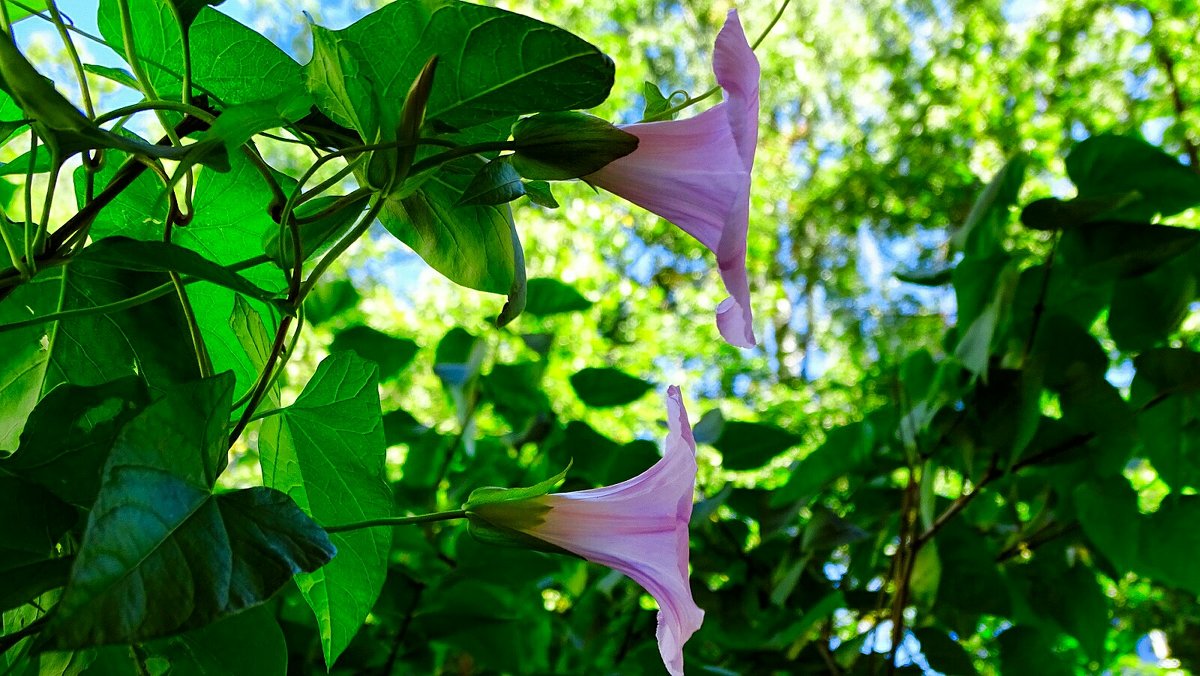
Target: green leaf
{"x":1108,"y":165}
{"x":982,"y":231}
{"x":1071,"y":595}
{"x":492,"y":64}
{"x":400,"y":427}
{"x":548,"y":296}
{"x":68,"y":436}
{"x":19,"y":585}
{"x":158,"y":534}
{"x":256,"y":344}
{"x":157,"y":41}
{"x":926,"y":575}
{"x":132,"y":254}
{"x":32,"y":520}
{"x":457,"y":361}
{"x":657,"y":104}
{"x":1009,"y":406}
{"x":1051,"y":213}
{"x":20,"y":165}
{"x":1171,"y":441}
{"x":1115,"y":249}
{"x":599,"y":460}
{"x":944,"y":653}
{"x":566,"y":145}
{"x":931,"y":278}
{"x":970,"y":581}
{"x":186,"y":10}
{"x":709,"y":427}
{"x":472,"y":245}
{"x":389,"y":353}
{"x":230,"y":61}
{"x":602,"y":387}
{"x":238,"y":123}
{"x":975,"y":348}
{"x":327,"y":451}
{"x":1068,"y":351}
{"x":329,"y":299}
{"x":1025,"y":650}
{"x":826,"y":530}
{"x":844,"y":449}
{"x":1147,"y":309}
{"x":237,"y":64}
{"x":539,"y":193}
{"x":16,"y":13}
{"x":516,"y":393}
{"x":1169,"y":371}
{"x":119,"y":75}
{"x":750,"y":445}
{"x":248,"y":642}
{"x":230,"y":220}
{"x":150,"y":339}
{"x":340,"y":81}
{"x":496,"y":183}
{"x":1170,"y":543}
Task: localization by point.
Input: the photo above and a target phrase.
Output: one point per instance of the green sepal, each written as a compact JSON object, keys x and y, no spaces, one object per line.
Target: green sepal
{"x":495,"y":183}
{"x":315,"y":236}
{"x":566,"y":145}
{"x":540,"y":194}
{"x":501,"y":516}
{"x":388,"y":169}
{"x":489,"y":533}
{"x":490,"y":495}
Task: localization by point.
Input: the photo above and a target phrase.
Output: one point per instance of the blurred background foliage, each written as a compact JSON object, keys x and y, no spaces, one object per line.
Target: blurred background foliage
{"x":967,"y":441}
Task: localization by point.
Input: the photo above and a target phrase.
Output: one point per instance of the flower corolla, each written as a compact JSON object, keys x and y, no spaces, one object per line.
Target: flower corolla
{"x":695,"y":173}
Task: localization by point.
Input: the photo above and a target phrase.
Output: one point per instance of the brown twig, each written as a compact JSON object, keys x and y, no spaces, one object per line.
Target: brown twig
{"x":1168,"y":64}
{"x":906,"y":555}
{"x":397,"y":642}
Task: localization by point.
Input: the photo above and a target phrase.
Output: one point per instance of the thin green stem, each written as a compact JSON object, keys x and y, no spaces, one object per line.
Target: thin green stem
{"x":329,"y":182}
{"x":139,"y":71}
{"x":47,"y":203}
{"x":29,"y":237}
{"x":5,"y":22}
{"x":670,"y":112}
{"x":17,"y":260}
{"x":148,"y":89}
{"x":264,"y":379}
{"x":770,"y":26}
{"x":399,"y":521}
{"x":156,"y":104}
{"x":9,"y":640}
{"x":460,"y":151}
{"x":203,"y":361}
{"x":338,"y":204}
{"x":338,"y":249}
{"x":73,"y":54}
{"x":132,"y":301}
{"x":268,"y":414}
{"x":277,"y":371}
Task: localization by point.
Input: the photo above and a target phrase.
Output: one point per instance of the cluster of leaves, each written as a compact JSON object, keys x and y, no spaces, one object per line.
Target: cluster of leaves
{"x":146,"y":334}
{"x":1001,"y":494}
{"x":1027,"y":486}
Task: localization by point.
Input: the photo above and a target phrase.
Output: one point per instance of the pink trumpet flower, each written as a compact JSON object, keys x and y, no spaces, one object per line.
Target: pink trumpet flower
{"x":695,"y":173}
{"x":638,"y":527}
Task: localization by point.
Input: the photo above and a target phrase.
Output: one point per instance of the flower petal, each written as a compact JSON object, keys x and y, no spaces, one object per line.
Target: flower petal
{"x":640,"y":528}
{"x":738,"y":73}
{"x":695,"y":173}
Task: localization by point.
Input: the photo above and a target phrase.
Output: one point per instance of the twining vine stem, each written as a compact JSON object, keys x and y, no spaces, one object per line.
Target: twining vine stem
{"x":399,"y":521}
